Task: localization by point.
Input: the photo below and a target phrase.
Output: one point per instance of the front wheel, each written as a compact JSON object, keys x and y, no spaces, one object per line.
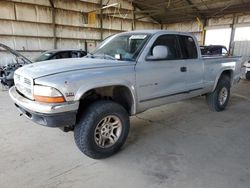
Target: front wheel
{"x":218,"y":99}
{"x":102,"y":129}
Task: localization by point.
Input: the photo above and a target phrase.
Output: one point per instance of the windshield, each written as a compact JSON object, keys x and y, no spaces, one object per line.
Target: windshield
{"x":43,"y":57}
{"x":121,"y":47}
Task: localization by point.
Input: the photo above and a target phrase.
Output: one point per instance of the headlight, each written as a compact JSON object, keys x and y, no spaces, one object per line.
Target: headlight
{"x":47,"y":94}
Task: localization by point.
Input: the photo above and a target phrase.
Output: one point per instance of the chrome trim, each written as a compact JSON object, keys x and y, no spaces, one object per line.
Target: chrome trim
{"x":45,"y":108}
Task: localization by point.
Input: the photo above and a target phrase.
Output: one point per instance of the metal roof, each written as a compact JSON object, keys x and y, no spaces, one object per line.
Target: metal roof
{"x":171,"y":11}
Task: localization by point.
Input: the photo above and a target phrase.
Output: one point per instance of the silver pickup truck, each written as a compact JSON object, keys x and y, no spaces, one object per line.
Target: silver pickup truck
{"x":127,"y":74}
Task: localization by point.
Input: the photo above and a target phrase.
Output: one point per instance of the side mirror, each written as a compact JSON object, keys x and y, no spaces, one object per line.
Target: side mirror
{"x":159,"y":52}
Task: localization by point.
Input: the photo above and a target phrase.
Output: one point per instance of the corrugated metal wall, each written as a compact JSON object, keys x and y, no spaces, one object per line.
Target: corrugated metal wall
{"x":27,"y":25}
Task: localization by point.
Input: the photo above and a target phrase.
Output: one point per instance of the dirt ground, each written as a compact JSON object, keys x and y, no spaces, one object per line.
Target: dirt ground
{"x":182,"y":145}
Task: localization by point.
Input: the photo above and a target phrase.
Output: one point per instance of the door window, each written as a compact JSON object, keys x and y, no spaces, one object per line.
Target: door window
{"x":171,"y":42}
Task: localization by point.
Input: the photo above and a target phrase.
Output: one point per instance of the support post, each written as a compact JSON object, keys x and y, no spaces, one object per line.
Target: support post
{"x":53,"y":23}
{"x":133,"y":18}
{"x":204,"y":32}
{"x":86,"y":46}
{"x":202,"y":25}
{"x":231,"y":44}
{"x":15,"y":11}
{"x":101,"y":19}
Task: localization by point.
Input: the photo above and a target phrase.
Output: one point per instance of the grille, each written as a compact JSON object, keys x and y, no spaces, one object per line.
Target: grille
{"x":27,"y":81}
{"x":24,"y":85}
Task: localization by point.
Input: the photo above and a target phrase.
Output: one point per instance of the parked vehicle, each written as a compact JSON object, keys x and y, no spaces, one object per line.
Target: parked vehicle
{"x":214,"y":50}
{"x":7,"y":71}
{"x":247,"y":70}
{"x":60,"y":54}
{"x":127,"y":74}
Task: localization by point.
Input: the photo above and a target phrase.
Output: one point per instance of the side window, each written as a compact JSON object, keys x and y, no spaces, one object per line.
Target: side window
{"x":188,"y":46}
{"x":61,"y":55}
{"x":77,"y":54}
{"x":171,"y":42}
{"x":74,"y":54}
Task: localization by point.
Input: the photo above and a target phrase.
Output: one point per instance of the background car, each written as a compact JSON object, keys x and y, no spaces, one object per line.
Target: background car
{"x":214,"y":50}
{"x":60,"y":54}
{"x":10,"y":64}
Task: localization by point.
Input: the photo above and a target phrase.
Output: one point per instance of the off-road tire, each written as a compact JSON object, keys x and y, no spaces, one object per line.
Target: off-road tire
{"x":213,"y":100}
{"x":88,"y":120}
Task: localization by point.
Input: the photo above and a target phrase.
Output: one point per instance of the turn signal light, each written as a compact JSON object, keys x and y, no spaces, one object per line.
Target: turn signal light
{"x":49,"y":99}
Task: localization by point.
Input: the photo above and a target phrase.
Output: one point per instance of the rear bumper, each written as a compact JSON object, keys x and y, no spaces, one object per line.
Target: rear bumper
{"x":50,"y":115}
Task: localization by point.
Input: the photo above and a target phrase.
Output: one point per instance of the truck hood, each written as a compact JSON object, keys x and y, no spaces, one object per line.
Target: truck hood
{"x":46,"y":68}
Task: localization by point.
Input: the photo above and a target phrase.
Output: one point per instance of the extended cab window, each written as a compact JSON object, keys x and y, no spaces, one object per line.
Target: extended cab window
{"x":171,"y":42}
{"x":188,"y":47}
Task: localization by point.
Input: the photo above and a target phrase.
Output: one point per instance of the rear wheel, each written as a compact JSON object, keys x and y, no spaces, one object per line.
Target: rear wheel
{"x":102,"y":129}
{"x":218,"y":99}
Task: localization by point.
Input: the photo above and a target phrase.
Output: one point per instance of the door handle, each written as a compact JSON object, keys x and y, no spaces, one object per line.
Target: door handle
{"x":183,"y":69}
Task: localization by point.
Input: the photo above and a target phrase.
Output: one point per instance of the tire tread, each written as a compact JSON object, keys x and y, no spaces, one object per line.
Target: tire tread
{"x":84,"y":128}
{"x":212,"y":98}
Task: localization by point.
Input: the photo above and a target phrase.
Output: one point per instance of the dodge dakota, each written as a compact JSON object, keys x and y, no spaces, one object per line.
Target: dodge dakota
{"x":127,"y":74}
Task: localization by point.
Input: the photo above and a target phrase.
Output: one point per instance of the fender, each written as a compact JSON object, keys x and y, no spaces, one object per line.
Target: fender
{"x":85,"y":88}
{"x":219,"y":75}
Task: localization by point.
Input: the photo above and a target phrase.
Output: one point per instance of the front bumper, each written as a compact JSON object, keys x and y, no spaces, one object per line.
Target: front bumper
{"x":50,"y":115}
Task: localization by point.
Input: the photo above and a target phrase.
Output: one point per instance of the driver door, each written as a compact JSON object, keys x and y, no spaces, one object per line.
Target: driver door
{"x":160,"y":81}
